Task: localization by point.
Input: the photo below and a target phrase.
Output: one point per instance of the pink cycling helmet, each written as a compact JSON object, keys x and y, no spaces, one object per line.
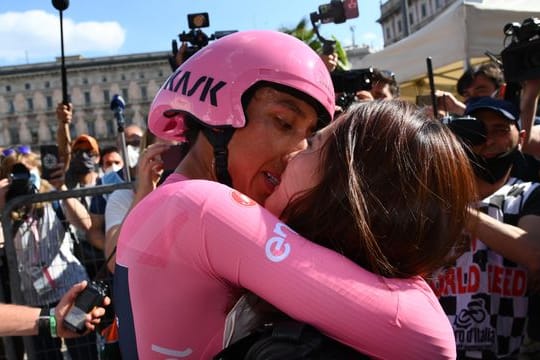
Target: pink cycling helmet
{"x":209,"y":85}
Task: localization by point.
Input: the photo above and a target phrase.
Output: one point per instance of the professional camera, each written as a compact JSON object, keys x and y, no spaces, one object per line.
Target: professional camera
{"x":348,"y":83}
{"x":467,"y":128}
{"x":195,"y":37}
{"x":521,"y":59}
{"x":20,"y":182}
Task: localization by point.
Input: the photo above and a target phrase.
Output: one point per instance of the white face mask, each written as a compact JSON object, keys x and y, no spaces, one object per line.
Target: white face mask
{"x":112,"y":168}
{"x":132,"y":155}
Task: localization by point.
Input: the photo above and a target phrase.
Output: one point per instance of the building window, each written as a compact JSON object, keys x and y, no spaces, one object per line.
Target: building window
{"x":30,"y":104}
{"x":91,"y":126}
{"x":27,"y":86}
{"x":125,"y":94}
{"x":110,"y":127}
{"x":104,"y":79}
{"x":144,"y":93}
{"x":106,"y":96}
{"x":85,"y":81}
{"x":123,"y":77}
{"x":47,"y":84}
{"x":87,"y":99}
{"x":49,"y":102}
{"x":423,"y":11}
{"x":438,"y":4}
{"x":388,"y":33}
{"x":8,"y":88}
{"x":141,"y":76}
{"x":399,"y":26}
{"x":11,"y":107}
{"x":14,"y":135}
{"x":160,"y":73}
{"x":34,"y":134}
{"x":411,"y":18}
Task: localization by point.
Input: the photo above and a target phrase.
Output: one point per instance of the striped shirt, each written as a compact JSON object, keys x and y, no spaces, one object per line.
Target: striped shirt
{"x":46,"y":264}
{"x":483,"y":293}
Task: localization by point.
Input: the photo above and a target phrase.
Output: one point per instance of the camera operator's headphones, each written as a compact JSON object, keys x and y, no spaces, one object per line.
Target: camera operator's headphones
{"x":209,"y":86}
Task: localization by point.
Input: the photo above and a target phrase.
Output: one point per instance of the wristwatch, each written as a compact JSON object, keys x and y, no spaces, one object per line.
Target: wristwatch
{"x":47,"y":322}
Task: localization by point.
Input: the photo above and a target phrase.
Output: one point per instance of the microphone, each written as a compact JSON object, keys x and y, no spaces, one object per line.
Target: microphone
{"x":117,"y":106}
{"x":60,"y":5}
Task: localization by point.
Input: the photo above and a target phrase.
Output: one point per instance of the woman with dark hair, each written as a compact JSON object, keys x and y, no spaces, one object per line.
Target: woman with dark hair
{"x":393,"y":200}
{"x":379,"y":186}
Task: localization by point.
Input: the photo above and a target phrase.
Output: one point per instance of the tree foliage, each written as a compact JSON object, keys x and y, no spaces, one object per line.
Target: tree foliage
{"x":307,"y":34}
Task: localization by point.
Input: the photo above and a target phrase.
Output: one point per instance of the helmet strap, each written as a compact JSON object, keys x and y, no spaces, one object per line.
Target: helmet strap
{"x":219,"y":138}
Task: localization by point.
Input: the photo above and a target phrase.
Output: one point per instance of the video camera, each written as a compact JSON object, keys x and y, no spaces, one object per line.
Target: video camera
{"x":521,"y":59}
{"x":337,"y":12}
{"x":348,"y":83}
{"x":195,"y":37}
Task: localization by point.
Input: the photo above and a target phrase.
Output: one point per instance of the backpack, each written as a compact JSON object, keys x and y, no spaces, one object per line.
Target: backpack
{"x":287,"y":340}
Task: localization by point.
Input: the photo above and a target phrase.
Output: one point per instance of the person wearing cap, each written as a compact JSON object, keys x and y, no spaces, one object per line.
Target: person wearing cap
{"x":82,"y":169}
{"x":485,"y":292}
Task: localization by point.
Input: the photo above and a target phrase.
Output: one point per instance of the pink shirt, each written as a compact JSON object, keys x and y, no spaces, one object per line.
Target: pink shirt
{"x":189,"y":246}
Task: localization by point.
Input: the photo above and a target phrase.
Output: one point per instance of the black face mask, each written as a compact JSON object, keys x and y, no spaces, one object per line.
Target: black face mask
{"x":494,"y":169}
{"x":81,"y":164}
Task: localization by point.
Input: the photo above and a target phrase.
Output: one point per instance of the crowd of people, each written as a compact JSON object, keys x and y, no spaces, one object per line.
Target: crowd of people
{"x":386,"y":229}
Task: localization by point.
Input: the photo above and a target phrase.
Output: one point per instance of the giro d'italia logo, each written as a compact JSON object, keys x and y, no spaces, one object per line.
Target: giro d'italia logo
{"x":242,"y":199}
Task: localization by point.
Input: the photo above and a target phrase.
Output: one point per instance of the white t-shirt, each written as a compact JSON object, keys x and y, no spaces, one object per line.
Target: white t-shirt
{"x":117,"y":207}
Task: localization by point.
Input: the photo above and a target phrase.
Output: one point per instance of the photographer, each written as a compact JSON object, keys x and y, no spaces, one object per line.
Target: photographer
{"x":488,"y":80}
{"x":44,"y":246}
{"x":484,"y":80}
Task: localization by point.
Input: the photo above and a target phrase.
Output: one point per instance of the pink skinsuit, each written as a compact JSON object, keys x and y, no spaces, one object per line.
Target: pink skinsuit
{"x":189,"y":246}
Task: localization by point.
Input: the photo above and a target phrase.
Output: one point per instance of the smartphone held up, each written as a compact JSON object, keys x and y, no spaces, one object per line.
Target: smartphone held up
{"x":49,"y":160}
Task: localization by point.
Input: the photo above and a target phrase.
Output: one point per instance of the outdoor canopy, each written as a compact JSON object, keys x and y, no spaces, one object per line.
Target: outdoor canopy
{"x":457,"y":38}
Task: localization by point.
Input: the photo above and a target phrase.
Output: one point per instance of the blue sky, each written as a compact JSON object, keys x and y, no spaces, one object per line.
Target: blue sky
{"x":29,"y":29}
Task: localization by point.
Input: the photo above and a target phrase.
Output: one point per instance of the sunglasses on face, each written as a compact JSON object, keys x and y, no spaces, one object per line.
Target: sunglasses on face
{"x":21,"y":149}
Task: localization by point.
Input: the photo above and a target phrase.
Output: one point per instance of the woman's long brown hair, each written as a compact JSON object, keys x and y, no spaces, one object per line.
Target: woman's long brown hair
{"x":394,"y":190}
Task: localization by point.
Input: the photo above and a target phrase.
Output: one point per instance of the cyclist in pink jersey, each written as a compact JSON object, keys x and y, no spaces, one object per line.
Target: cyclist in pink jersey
{"x":189,"y":248}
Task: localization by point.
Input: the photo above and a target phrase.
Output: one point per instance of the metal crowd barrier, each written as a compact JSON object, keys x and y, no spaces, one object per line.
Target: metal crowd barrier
{"x":10,"y":280}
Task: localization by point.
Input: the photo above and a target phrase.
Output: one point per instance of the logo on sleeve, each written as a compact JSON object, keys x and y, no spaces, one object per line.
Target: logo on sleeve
{"x":242,"y":199}
{"x":277,"y":248}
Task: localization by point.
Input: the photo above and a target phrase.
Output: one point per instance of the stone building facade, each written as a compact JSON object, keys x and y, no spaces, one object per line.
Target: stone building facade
{"x":30,"y":93}
{"x":401,"y":18}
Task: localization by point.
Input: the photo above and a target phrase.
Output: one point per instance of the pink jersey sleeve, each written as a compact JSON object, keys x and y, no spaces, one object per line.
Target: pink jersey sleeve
{"x":192,"y":245}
